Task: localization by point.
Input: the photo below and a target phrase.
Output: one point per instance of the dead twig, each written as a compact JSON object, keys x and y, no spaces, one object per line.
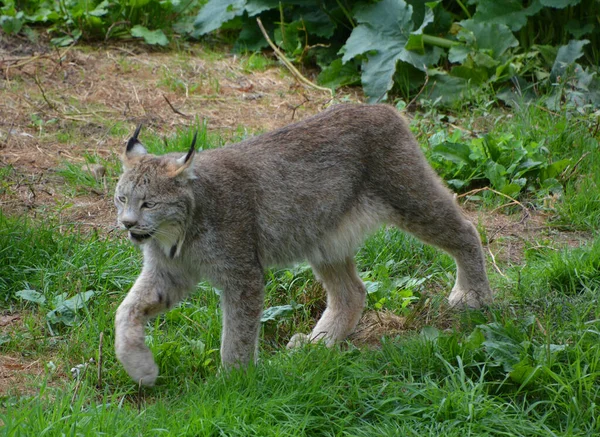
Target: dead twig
{"x":563,"y":175}
{"x":306,"y":100}
{"x":112,"y":26}
{"x":494,"y":262}
{"x":420,"y":91}
{"x":299,"y":77}
{"x":37,"y":82}
{"x":176,"y":111}
{"x":513,"y":200}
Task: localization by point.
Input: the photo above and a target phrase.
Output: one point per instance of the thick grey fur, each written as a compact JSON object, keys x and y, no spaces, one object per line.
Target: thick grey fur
{"x":310,"y":191}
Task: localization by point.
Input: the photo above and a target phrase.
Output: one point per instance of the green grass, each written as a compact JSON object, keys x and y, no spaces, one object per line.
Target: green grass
{"x":527,"y":366}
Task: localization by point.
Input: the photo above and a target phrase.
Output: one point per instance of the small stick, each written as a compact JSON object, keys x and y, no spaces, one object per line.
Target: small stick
{"x":479,"y":190}
{"x":494,"y":262}
{"x":288,"y":64}
{"x":100,"y":360}
{"x":420,"y":91}
{"x":572,"y":172}
{"x":175,"y":110}
{"x":112,"y":26}
{"x":37,"y":81}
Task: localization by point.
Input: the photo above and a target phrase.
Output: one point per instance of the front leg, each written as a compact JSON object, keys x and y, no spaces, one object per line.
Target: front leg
{"x":150,"y":295}
{"x":241,"y":303}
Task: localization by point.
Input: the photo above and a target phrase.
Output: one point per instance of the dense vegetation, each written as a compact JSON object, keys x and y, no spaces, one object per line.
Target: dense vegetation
{"x":527,"y":366}
{"x":451,"y":51}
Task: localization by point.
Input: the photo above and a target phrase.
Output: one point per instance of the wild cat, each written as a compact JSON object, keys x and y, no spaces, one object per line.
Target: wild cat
{"x":309,"y":191}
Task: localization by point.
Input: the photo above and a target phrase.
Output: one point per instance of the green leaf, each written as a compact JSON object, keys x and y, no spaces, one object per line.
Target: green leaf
{"x":152,"y":37}
{"x":11,"y":25}
{"x":216,"y":12}
{"x":566,"y":56}
{"x":447,"y":89}
{"x":494,"y":38}
{"x":511,"y":189}
{"x":277,"y":312}
{"x":381,"y":36}
{"x":455,"y":152}
{"x":496,"y":173}
{"x":66,"y":310}
{"x":508,"y":12}
{"x":554,"y":169}
{"x":31,"y":296}
{"x":430,"y":333}
{"x":100,"y":10}
{"x":523,"y":372}
{"x":338,"y":74}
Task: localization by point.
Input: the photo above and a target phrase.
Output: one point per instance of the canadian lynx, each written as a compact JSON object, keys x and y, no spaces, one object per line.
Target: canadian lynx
{"x":309,"y":191}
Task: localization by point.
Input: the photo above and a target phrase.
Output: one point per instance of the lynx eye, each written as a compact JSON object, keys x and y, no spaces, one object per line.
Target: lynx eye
{"x":122,"y":199}
{"x":148,"y":205}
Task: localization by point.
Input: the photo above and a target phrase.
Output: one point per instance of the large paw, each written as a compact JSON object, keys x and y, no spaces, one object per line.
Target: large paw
{"x":470,"y":298}
{"x":298,"y":340}
{"x":139,"y":364}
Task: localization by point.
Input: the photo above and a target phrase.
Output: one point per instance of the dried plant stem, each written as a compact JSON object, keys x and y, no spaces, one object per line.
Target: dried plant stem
{"x":512,"y":199}
{"x":101,"y":341}
{"x":299,"y":77}
{"x":176,"y":111}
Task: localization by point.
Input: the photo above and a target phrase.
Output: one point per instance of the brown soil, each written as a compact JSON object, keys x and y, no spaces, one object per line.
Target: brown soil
{"x":59,"y":105}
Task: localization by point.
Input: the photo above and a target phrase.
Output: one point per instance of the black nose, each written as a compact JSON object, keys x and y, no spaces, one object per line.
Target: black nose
{"x":128,"y":224}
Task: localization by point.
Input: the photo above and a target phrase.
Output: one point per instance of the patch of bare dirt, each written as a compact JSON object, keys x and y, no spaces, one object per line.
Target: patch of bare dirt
{"x":59,"y":105}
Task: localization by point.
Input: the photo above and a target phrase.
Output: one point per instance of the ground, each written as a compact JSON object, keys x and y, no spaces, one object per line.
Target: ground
{"x":60,"y":105}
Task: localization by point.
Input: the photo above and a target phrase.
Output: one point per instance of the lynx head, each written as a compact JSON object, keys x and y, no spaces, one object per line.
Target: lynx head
{"x":154,"y":197}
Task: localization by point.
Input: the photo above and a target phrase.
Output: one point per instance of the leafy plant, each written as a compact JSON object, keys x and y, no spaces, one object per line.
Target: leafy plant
{"x":402,"y":44}
{"x":73,"y":20}
{"x":505,"y":163}
{"x":64,"y":310}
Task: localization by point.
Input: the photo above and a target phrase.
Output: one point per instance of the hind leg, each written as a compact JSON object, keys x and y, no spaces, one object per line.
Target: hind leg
{"x":443,"y":225}
{"x":345,"y":301}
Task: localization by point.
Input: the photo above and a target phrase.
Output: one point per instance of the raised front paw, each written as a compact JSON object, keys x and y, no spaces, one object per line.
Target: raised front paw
{"x":139,"y":364}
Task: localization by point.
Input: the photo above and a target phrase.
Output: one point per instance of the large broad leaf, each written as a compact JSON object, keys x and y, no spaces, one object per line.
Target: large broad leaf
{"x":216,"y":12}
{"x":458,"y":153}
{"x":152,"y":37}
{"x":491,"y":38}
{"x":508,"y":12}
{"x":32,"y":296}
{"x":382,"y":35}
{"x":566,"y":56}
{"x":277,"y":312}
{"x":338,"y":74}
{"x":66,"y":310}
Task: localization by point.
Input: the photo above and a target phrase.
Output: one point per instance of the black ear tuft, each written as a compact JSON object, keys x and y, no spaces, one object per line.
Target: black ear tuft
{"x":192,"y":148}
{"x":134,"y":139}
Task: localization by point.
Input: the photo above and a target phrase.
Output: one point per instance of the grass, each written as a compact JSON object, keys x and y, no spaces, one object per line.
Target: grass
{"x":527,"y":366}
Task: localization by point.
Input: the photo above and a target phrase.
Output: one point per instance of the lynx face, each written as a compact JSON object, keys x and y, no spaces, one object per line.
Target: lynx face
{"x":153,"y":196}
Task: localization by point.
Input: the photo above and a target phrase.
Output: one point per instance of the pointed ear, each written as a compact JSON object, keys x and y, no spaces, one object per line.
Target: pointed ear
{"x":134,"y":149}
{"x":183,"y":165}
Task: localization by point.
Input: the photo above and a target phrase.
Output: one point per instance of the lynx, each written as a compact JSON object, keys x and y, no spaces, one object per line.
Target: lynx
{"x":310,"y":191}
